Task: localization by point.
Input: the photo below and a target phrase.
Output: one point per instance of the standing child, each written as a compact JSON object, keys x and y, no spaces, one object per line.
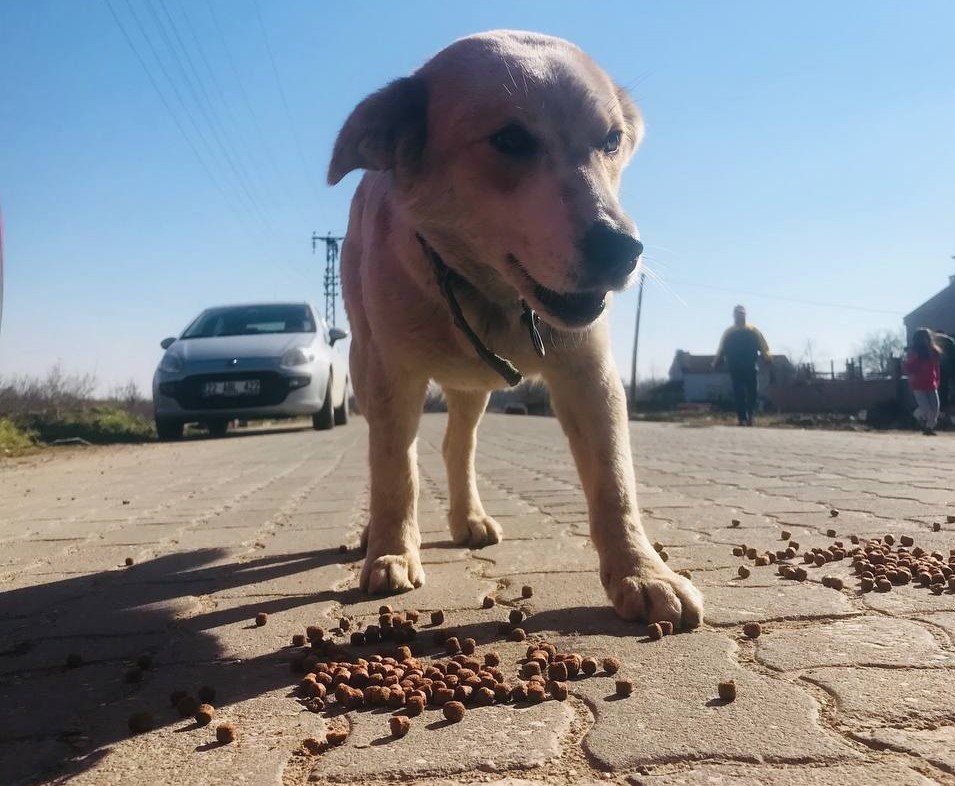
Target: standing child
{"x":922,"y":367}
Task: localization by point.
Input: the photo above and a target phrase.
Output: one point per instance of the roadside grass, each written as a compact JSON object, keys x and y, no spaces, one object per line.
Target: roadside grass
{"x":39,"y":410}
{"x":15,"y":440}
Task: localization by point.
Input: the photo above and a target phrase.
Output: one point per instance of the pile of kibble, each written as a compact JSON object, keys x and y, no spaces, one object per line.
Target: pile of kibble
{"x":880,"y":563}
{"x":395,"y":678}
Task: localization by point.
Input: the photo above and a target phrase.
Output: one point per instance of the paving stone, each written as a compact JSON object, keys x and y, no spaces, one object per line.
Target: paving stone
{"x":876,"y":641}
{"x":874,"y":697}
{"x":786,"y":600}
{"x":490,"y":739}
{"x":675,"y":713}
{"x":944,"y":620}
{"x":567,"y":554}
{"x":936,"y":746}
{"x":830,"y":775}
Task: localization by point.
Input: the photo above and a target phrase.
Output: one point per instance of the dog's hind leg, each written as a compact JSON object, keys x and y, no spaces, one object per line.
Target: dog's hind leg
{"x":392,"y":406}
{"x":587,"y":395}
{"x":469,"y":524}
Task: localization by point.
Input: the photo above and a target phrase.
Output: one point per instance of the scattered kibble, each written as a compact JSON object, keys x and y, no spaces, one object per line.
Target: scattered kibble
{"x":226,"y":733}
{"x":204,"y":714}
{"x":336,"y":737}
{"x":727,"y":690}
{"x":936,"y":527}
{"x":400,"y":725}
{"x":785,"y":535}
{"x":129,"y":561}
{"x":830,"y":533}
{"x":557,"y":690}
{"x":261,"y":618}
{"x":743,"y":572}
{"x":834,"y":513}
{"x":657,"y":546}
{"x":453,"y":711}
{"x":516,"y":616}
{"x":654,"y":631}
{"x":527,"y":591}
{"x":468,"y":646}
{"x":343,"y":549}
{"x":518,"y":634}
{"x":187,"y":706}
{"x":489,"y":602}
{"x":907,"y":540}
{"x":664,"y":556}
{"x":437,"y":617}
{"x":141,"y":722}
{"x":666,"y":626}
{"x":735,"y":523}
{"x":589,"y":666}
{"x":950,"y":518}
{"x":611,"y":665}
{"x":298,"y":640}
{"x":752,"y":630}
{"x":624,"y":688}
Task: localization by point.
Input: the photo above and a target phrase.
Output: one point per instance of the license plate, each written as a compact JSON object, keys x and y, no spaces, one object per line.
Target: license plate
{"x":231,"y":388}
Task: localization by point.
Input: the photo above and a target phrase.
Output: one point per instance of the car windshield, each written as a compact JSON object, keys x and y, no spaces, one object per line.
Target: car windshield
{"x":251,"y":321}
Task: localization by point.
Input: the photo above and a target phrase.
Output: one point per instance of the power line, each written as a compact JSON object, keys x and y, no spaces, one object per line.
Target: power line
{"x":800,"y":301}
{"x":288,"y":112}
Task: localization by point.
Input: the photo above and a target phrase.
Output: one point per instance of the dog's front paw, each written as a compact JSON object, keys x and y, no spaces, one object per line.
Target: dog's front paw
{"x":654,"y":593}
{"x":391,"y":573}
{"x":476,"y":531}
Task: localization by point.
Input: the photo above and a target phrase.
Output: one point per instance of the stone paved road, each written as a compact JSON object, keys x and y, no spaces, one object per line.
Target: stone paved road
{"x":842,"y":688}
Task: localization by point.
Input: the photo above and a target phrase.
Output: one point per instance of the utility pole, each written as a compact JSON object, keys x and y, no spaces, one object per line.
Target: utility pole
{"x":636,"y":339}
{"x":331,"y":281}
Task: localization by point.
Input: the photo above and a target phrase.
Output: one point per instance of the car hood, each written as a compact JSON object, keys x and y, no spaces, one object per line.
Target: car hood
{"x":225,"y":347}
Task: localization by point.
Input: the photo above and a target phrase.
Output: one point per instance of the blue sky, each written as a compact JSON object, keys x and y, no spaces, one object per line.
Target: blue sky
{"x":796,"y":153}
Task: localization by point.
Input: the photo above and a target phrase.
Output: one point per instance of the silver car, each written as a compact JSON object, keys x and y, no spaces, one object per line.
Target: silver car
{"x":263,"y":360}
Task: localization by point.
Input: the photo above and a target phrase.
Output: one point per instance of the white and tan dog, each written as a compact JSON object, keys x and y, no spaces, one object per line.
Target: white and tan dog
{"x":495,"y":168}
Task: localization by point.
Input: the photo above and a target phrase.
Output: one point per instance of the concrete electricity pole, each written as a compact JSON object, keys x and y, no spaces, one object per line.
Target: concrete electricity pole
{"x":636,"y":340}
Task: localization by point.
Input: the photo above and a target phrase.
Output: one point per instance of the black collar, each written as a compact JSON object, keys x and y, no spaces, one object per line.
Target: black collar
{"x":446,"y":278}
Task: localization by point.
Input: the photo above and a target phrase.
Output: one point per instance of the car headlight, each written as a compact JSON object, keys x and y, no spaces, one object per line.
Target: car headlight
{"x":298,"y":356}
{"x":170,"y":363}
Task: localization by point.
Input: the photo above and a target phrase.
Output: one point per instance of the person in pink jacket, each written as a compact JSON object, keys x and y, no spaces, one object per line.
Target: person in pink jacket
{"x":923,"y":370}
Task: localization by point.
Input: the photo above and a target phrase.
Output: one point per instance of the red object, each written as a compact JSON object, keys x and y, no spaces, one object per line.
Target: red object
{"x":923,"y":373}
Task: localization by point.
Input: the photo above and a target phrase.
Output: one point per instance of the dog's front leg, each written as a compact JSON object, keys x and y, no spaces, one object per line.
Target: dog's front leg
{"x":391,"y":404}
{"x":587,"y":395}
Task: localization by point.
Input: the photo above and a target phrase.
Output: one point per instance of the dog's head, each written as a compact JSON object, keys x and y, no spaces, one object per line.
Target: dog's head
{"x":506,"y":150}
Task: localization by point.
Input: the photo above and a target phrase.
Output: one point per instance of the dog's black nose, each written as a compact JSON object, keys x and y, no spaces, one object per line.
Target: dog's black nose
{"x":610,"y":255}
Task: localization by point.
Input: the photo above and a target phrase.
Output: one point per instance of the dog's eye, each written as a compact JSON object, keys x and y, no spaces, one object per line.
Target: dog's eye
{"x":612,"y":142}
{"x":514,"y":140}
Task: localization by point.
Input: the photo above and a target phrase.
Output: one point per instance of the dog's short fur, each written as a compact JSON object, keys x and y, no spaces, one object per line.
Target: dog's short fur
{"x":504,"y":152}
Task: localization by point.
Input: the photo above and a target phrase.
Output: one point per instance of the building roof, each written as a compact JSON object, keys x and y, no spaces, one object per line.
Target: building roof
{"x":941,"y":303}
{"x":688,"y":363}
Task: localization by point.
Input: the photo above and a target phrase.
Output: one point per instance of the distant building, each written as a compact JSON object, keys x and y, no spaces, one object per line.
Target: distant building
{"x":936,"y":313}
{"x":701,"y":384}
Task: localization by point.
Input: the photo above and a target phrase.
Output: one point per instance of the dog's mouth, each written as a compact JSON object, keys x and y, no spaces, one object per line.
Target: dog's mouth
{"x":574,"y":309}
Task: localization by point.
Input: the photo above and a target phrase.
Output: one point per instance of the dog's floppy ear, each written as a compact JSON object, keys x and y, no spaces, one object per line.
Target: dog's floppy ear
{"x":632,"y":116}
{"x":386,"y":129}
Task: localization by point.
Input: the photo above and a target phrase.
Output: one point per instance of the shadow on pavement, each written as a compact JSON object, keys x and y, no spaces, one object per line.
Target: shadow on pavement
{"x":57,"y":720}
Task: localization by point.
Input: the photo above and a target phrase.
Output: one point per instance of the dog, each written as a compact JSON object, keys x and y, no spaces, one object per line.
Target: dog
{"x":488,"y":217}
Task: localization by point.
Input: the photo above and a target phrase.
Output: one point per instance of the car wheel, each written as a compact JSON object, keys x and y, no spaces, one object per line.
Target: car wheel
{"x":217,"y":428}
{"x":169,"y":430}
{"x":324,"y":419}
{"x":341,"y":413}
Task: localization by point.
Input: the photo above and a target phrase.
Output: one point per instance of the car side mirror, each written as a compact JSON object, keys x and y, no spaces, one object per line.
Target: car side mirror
{"x":336,"y":334}
{"x":167,"y":342}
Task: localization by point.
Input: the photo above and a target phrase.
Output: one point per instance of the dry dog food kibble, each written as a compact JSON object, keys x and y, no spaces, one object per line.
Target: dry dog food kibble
{"x":453,"y":711}
{"x":298,"y":640}
{"x":204,"y":714}
{"x":226,"y":733}
{"x":735,"y":523}
{"x":752,"y":630}
{"x":488,"y":602}
{"x":336,"y":737}
{"x":129,"y":561}
{"x":589,"y":666}
{"x":666,"y":626}
{"x":187,"y":706}
{"x":518,"y":634}
{"x":516,"y":616}
{"x":785,"y":535}
{"x":611,"y":665}
{"x":830,"y":533}
{"x":624,"y":688}
{"x":834,"y":513}
{"x":399,"y":725}
{"x":743,"y":572}
{"x":527,"y":591}
{"x":437,"y":617}
{"x":654,"y":631}
{"x":261,"y":618}
{"x":727,"y":690}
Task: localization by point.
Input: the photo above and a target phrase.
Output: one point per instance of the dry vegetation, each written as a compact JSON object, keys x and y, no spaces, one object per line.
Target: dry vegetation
{"x":36,"y":411}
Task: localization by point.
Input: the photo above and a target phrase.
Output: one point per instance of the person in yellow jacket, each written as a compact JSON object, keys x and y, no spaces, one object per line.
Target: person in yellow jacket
{"x":740,"y":348}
